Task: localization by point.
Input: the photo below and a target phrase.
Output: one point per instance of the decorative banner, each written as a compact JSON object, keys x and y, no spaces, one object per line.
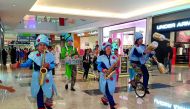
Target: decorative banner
{"x":61,"y":21}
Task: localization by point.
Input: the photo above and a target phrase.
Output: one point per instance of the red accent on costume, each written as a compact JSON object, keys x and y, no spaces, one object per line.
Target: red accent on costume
{"x":111,"y":78}
{"x":103,"y":70}
{"x":113,"y":57}
{"x":110,"y":40}
{"x":48,"y":66}
{"x":104,"y":44}
{"x":38,"y":40}
{"x":47,"y":80}
{"x":104,"y":101}
{"x":38,"y":54}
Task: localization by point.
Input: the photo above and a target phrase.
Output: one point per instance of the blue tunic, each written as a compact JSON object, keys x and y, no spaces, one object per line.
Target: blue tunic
{"x":105,"y":63}
{"x":136,"y":54}
{"x":49,"y":86}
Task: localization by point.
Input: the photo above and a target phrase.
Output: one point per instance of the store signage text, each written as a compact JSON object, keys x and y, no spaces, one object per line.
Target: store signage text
{"x":173,"y":25}
{"x":94,"y":32}
{"x":80,"y":34}
{"x":169,"y":105}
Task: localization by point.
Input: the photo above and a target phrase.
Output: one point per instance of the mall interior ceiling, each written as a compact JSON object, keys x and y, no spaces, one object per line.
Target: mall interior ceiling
{"x":99,"y":12}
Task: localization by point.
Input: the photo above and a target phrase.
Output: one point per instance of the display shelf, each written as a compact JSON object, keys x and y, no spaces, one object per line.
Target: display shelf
{"x":182,"y":59}
{"x":124,"y":65}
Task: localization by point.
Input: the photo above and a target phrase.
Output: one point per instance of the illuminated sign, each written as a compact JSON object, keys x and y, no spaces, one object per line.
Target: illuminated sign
{"x":173,"y":25}
{"x":166,"y":26}
{"x":95,"y":32}
{"x":80,"y":34}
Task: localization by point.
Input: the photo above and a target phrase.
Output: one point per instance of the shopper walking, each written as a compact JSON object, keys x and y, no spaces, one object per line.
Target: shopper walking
{"x":4,"y":57}
{"x":86,"y":63}
{"x":168,"y":57}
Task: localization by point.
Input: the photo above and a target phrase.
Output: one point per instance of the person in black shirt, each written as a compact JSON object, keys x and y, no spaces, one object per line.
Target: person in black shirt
{"x":4,"y":57}
{"x":13,"y":55}
{"x":168,"y":57}
{"x":86,"y":63}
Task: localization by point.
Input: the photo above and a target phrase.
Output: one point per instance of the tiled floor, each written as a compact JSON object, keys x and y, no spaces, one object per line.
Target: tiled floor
{"x":168,"y":91}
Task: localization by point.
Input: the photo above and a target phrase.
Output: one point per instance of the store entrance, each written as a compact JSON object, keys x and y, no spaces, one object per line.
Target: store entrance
{"x":126,"y":37}
{"x":182,"y":44}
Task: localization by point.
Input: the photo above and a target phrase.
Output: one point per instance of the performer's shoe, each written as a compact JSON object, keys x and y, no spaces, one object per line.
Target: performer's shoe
{"x":104,"y":101}
{"x":48,"y":108}
{"x":42,"y":108}
{"x":66,"y":86}
{"x":49,"y":104}
{"x":147,"y":92}
{"x":114,"y":107}
{"x":72,"y":89}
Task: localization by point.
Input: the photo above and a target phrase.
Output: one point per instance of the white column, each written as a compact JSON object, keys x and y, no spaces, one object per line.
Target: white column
{"x":100,"y":36}
{"x":172,"y":38}
{"x":148,"y":30}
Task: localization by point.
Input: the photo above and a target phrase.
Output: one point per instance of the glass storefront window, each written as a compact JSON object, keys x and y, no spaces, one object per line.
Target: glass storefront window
{"x":183,"y":36}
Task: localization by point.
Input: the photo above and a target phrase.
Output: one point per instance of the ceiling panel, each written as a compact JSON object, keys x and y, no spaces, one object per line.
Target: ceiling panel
{"x":115,"y":6}
{"x":12,"y":11}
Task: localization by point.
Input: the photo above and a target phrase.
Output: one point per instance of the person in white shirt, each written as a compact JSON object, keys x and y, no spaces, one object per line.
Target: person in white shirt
{"x":57,"y":55}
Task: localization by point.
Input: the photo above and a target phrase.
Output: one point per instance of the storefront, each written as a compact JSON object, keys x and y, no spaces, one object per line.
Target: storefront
{"x":175,"y":27}
{"x":1,"y":41}
{"x":88,"y":40}
{"x":125,"y":33}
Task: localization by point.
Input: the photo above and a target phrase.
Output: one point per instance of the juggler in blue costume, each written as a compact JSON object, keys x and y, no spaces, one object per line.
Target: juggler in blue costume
{"x":138,"y":56}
